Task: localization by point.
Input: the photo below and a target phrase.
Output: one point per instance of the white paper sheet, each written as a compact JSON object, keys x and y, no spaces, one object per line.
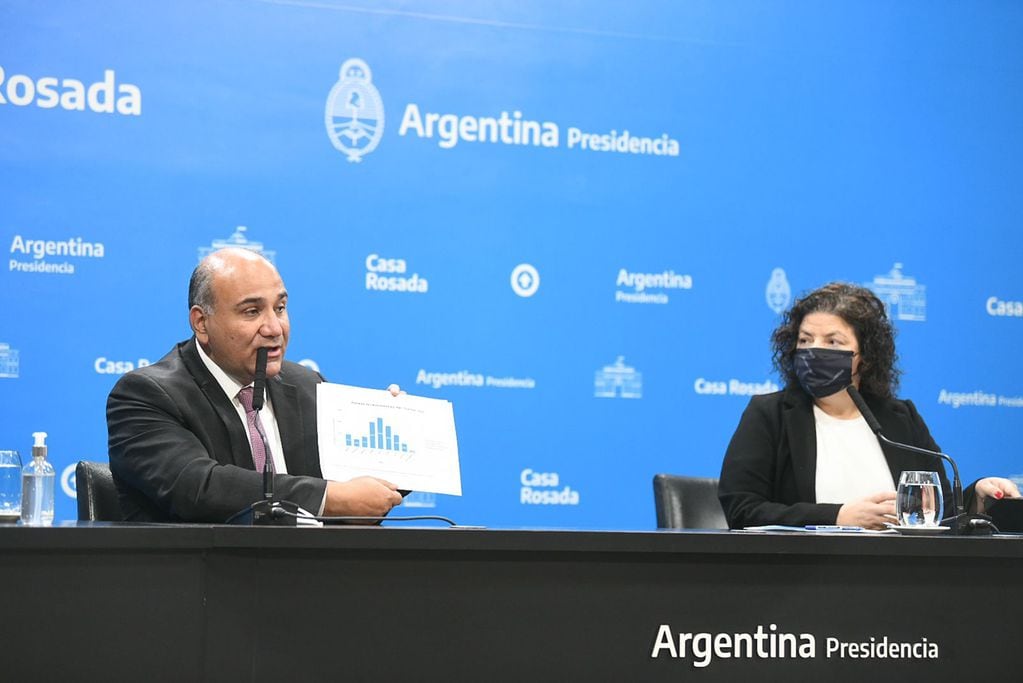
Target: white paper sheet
{"x":408,"y":440}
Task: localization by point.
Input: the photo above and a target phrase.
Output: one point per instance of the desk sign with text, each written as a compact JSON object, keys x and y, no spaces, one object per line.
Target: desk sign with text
{"x":408,"y":440}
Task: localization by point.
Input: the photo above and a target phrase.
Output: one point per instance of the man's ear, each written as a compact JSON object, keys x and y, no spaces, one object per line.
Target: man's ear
{"x":197,"y":318}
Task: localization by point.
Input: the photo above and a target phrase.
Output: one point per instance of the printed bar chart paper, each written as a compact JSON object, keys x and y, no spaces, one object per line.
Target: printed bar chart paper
{"x":408,"y":440}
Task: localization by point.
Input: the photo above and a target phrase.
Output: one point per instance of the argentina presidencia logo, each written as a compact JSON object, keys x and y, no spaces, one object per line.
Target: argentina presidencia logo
{"x":355,"y":112}
{"x":9,"y":364}
{"x":239,"y":240}
{"x":779,"y":293}
{"x":618,"y":380}
{"x":904,"y":297}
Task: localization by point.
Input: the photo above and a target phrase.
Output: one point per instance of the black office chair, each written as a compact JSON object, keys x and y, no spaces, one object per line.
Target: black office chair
{"x":97,"y":493}
{"x":687,"y":503}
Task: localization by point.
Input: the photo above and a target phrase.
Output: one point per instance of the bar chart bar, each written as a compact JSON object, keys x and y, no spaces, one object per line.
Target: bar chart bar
{"x":381,"y":437}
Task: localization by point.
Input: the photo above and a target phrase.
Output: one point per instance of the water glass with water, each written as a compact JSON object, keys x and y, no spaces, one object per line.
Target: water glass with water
{"x":919,"y":501}
{"x":10,"y":486}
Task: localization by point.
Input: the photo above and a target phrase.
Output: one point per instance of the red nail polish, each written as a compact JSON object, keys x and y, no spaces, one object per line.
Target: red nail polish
{"x":999,"y":494}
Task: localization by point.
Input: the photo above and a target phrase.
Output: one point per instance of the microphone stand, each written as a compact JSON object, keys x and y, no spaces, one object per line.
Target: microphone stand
{"x":265,"y":512}
{"x":962,"y":523}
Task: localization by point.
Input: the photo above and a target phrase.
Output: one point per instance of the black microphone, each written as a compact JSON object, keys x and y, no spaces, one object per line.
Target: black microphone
{"x":259,"y":384}
{"x":266,"y":511}
{"x":258,"y":389}
{"x":963,"y":522}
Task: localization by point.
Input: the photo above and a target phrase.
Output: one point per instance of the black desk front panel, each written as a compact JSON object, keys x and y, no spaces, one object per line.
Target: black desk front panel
{"x":224,"y":603}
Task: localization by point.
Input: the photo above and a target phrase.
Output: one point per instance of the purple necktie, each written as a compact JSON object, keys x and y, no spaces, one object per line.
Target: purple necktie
{"x":255,"y":427}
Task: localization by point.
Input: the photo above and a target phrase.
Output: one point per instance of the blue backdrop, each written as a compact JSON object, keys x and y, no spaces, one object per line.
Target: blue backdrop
{"x":576,"y":221}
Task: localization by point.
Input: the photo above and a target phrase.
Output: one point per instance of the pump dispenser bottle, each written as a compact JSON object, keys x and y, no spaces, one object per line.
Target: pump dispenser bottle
{"x":37,"y":478}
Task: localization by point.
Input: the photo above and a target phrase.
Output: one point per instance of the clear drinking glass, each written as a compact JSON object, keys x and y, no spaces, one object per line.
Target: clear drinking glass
{"x":10,"y":486}
{"x":919,"y":501}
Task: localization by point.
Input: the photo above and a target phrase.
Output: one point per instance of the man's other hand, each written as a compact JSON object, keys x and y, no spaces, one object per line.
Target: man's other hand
{"x":361,"y":497}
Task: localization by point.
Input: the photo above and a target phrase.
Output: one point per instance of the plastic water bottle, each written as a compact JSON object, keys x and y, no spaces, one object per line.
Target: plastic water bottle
{"x":37,"y":478}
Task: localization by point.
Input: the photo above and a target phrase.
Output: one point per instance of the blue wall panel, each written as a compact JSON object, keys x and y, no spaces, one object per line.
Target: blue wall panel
{"x":830,"y":140}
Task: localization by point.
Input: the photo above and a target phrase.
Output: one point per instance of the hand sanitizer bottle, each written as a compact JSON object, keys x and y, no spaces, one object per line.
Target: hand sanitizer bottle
{"x":37,"y":479}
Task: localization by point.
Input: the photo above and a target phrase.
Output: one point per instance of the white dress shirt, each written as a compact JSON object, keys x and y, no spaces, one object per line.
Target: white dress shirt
{"x":850,"y":462}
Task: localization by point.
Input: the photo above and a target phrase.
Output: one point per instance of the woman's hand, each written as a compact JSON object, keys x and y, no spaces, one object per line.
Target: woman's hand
{"x":993,"y":487}
{"x":870,"y":513}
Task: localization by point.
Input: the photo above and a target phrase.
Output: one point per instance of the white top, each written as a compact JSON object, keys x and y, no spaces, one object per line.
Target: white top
{"x":850,"y":463}
{"x":266,"y":415}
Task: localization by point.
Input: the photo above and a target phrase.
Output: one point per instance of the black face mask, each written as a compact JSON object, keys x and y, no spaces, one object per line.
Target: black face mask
{"x":823,"y":372}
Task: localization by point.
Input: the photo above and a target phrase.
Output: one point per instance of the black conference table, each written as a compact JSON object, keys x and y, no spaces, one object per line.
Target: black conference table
{"x":218,"y":603}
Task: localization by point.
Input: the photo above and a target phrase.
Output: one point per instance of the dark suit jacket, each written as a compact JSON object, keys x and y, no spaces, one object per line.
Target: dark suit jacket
{"x":770,"y":469}
{"x":179,"y":452}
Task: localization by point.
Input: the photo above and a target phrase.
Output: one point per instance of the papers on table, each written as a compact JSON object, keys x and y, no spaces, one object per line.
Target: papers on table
{"x":815,"y":529}
{"x":408,"y":440}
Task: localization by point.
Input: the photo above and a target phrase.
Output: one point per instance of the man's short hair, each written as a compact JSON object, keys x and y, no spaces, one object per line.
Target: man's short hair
{"x":200,"y":287}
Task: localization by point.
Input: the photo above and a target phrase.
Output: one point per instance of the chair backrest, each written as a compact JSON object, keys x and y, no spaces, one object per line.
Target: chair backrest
{"x":97,"y":494}
{"x":688,"y":503}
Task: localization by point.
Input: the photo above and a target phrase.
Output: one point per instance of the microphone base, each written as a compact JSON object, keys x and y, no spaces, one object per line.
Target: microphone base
{"x":267,"y":513}
{"x":970,"y":525}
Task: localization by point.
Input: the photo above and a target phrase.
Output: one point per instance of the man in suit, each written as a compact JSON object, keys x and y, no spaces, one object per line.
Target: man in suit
{"x":180,"y":443}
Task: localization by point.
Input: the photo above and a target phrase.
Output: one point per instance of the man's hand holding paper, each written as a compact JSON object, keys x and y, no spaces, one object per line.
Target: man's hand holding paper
{"x":408,"y":442}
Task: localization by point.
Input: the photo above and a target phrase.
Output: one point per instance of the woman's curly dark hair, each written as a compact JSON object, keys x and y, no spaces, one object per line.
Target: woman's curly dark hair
{"x":865,"y":313}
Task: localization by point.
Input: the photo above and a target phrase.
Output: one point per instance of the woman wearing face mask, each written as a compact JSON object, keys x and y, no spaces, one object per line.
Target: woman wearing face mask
{"x":805,"y":455}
